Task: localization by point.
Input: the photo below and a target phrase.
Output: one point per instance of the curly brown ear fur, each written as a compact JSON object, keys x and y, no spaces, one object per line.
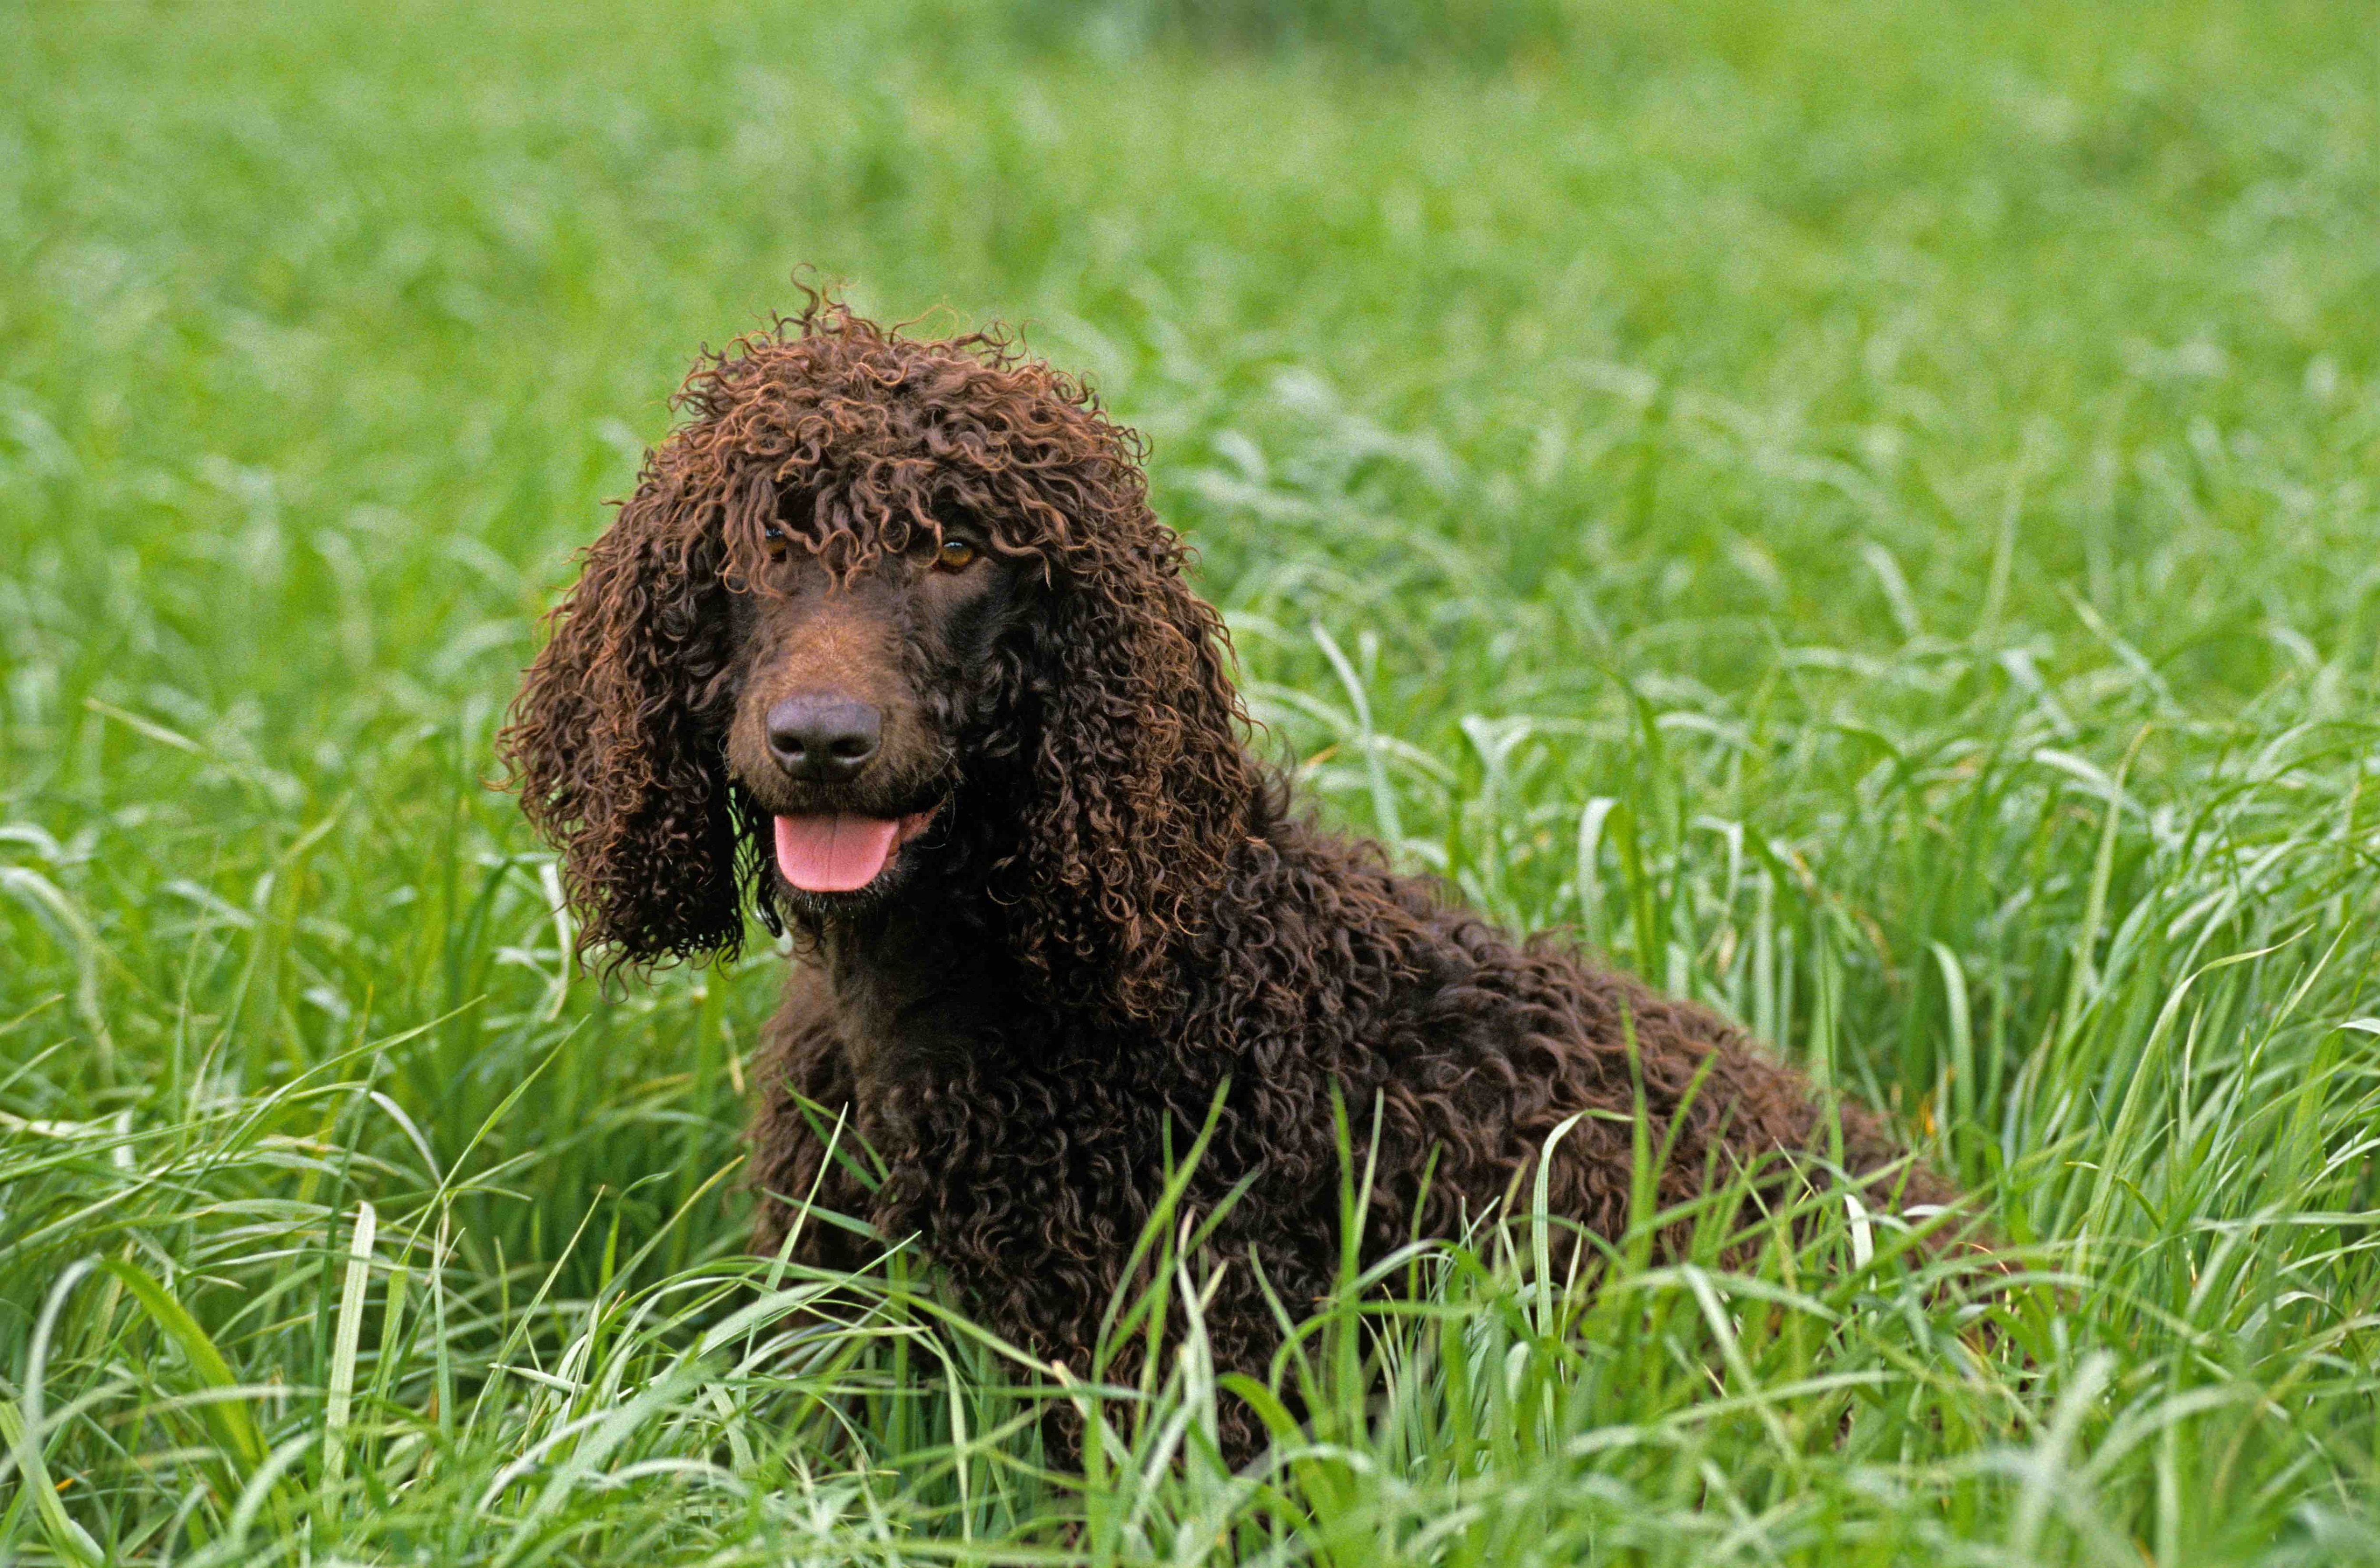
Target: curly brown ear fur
{"x":615,"y":739}
{"x":1142,"y":789}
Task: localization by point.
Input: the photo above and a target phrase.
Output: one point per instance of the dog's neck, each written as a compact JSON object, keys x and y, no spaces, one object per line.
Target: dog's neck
{"x":934,"y":993}
{"x":936,"y":987}
{"x":915,"y":990}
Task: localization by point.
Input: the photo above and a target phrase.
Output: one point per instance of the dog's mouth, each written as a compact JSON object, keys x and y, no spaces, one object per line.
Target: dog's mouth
{"x":843,"y":851}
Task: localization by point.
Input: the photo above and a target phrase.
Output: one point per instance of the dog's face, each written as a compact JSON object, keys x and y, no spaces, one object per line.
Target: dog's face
{"x":855,"y":689}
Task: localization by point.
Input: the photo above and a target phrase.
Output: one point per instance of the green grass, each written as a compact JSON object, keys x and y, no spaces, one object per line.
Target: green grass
{"x":1868,"y":511}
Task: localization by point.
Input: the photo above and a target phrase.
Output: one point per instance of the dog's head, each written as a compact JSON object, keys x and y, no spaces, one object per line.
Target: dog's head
{"x":883,"y":613}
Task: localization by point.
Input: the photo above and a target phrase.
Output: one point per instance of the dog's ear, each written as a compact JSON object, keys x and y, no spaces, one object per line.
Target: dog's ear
{"x":1141,"y":786}
{"x":616,"y":739}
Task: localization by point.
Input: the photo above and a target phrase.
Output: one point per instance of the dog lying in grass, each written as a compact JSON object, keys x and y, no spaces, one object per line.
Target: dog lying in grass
{"x":888,"y":646}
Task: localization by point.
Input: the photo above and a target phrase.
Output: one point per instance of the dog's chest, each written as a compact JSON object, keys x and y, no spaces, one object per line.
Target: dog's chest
{"x":919,"y":1015}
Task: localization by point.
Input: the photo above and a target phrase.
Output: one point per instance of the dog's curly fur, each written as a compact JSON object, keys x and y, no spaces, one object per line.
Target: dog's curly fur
{"x":1120,"y":913}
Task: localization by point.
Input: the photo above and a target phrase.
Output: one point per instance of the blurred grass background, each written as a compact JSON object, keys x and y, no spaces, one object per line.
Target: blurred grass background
{"x":1868,"y":510}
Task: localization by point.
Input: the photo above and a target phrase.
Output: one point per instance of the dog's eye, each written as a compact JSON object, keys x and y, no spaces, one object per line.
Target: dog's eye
{"x":773,"y":540}
{"x":955,"y":555}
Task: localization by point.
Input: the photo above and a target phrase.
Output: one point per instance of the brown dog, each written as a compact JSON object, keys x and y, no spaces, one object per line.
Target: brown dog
{"x":887,"y":646}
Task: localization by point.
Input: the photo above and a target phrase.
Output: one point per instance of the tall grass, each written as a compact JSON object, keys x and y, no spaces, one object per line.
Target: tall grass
{"x":1866,"y":513}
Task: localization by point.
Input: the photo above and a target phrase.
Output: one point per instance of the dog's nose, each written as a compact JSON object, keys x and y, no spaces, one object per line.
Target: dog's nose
{"x":824,"y":739}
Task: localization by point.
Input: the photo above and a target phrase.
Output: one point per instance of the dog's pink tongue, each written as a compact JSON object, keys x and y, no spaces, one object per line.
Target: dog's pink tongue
{"x":835,"y":855}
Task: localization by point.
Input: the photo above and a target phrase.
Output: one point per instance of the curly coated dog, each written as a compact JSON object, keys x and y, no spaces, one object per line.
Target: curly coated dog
{"x":887,"y":646}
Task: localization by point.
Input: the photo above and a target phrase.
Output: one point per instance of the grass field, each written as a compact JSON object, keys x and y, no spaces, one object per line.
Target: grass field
{"x":1869,"y":511}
